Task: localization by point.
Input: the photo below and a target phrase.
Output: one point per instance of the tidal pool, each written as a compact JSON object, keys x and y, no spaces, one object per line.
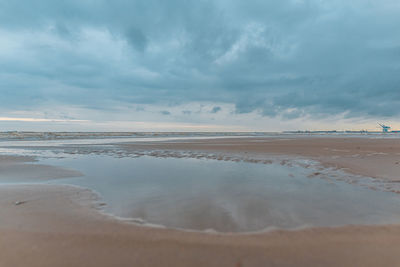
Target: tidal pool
{"x":225,"y":196}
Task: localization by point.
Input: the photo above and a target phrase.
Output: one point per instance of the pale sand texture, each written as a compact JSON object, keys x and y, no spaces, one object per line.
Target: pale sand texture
{"x":57,"y":226}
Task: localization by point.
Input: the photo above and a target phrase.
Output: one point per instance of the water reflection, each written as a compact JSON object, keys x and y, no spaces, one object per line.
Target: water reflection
{"x":226,"y":196}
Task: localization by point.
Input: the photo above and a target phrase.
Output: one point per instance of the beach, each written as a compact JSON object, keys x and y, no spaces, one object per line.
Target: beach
{"x":61,"y":225}
{"x":372,"y":157}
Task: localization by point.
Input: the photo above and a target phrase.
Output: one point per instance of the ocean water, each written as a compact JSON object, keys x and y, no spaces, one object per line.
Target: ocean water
{"x":200,"y":194}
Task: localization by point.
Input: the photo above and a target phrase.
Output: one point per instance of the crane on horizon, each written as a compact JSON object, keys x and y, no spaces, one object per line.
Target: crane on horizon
{"x":385,"y":128}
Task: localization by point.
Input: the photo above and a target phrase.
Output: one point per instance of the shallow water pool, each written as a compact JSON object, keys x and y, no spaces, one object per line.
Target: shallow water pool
{"x":226,"y":196}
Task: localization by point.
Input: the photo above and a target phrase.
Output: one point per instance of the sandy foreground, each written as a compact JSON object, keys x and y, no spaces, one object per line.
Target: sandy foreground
{"x":59,"y":226}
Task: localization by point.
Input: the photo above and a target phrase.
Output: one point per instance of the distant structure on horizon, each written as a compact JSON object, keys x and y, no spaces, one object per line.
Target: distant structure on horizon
{"x":385,"y":128}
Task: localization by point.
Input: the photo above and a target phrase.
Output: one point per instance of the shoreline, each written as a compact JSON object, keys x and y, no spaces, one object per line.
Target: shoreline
{"x":350,"y":154}
{"x":50,"y":233}
{"x":58,"y":225}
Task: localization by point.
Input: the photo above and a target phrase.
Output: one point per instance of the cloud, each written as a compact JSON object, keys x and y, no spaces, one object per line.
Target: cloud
{"x":137,"y":39}
{"x":288,"y":59}
{"x":215,"y":109}
{"x":39,"y":120}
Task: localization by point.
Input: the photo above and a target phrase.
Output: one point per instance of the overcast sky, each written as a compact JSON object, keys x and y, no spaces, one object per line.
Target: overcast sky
{"x":262,"y":65}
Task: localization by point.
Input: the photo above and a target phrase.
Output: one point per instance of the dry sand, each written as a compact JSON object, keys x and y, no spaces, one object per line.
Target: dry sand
{"x":58,"y":226}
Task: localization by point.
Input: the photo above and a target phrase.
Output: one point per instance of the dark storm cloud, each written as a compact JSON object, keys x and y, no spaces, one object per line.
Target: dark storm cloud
{"x":165,"y":112}
{"x":137,"y":39}
{"x":290,"y":58}
{"x":215,"y":109}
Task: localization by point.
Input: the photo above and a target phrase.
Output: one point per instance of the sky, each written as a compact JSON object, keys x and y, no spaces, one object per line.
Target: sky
{"x":215,"y":65}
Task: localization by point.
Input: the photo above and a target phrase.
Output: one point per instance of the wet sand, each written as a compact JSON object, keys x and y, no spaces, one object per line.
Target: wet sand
{"x":372,"y":157}
{"x":21,"y":169}
{"x":59,"y":226}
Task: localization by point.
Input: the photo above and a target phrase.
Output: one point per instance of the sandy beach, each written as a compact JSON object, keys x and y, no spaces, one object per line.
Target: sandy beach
{"x":53,"y":225}
{"x":372,"y":157}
